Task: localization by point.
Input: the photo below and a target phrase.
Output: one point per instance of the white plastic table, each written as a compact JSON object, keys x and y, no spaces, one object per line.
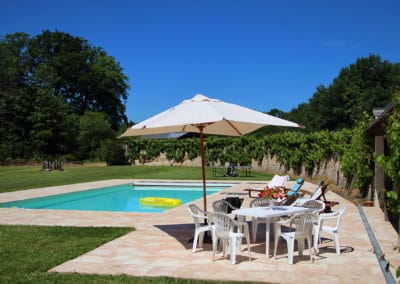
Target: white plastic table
{"x":269,"y":213}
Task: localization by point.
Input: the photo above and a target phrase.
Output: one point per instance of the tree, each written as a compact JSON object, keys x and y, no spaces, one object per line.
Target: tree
{"x":367,"y":83}
{"x":94,"y":127}
{"x":45,"y":83}
{"x":86,"y":77}
{"x":53,"y":127}
{"x":114,"y":153}
{"x":15,"y":103}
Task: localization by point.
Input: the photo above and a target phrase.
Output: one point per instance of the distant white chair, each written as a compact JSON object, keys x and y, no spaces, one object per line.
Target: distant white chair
{"x":200,"y":228}
{"x":300,"y":229}
{"x":334,"y":230}
{"x":230,"y":232}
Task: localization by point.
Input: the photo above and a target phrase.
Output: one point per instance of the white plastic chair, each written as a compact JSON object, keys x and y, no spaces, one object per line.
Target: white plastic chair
{"x":224,"y":229}
{"x":257,"y":202}
{"x":316,"y":205}
{"x":334,"y":230}
{"x":200,"y":228}
{"x":223,"y":206}
{"x":303,"y":225}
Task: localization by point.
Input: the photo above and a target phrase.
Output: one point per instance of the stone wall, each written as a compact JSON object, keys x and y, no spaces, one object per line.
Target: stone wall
{"x":328,"y":170}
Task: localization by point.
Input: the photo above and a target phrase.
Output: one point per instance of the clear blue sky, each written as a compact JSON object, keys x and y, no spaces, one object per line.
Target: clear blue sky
{"x":262,"y":54}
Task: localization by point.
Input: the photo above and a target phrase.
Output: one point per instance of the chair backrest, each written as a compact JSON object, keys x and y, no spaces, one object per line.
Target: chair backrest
{"x":196,"y":213}
{"x":304,"y":225}
{"x":259,"y":202}
{"x":316,"y":205}
{"x":235,"y":202}
{"x":296,"y":187}
{"x":222,"y":206}
{"x":278,"y":181}
{"x":318,"y":191}
{"x":223,"y":224}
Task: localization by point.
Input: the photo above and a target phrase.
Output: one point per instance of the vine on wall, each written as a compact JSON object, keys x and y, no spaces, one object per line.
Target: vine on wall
{"x":357,"y":163}
{"x":293,"y":149}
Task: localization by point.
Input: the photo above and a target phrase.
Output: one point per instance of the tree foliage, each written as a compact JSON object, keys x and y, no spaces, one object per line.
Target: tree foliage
{"x":367,"y":83}
{"x":46,"y":83}
{"x":114,"y":153}
{"x":84,"y":76}
{"x":94,"y":128}
{"x":15,"y":99}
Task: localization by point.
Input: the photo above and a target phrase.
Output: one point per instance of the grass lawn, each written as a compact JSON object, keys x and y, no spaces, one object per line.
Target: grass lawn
{"x":25,"y":177}
{"x":28,"y":252}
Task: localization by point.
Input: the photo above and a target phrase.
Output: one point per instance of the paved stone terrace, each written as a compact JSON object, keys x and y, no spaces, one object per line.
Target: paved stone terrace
{"x":160,"y":245}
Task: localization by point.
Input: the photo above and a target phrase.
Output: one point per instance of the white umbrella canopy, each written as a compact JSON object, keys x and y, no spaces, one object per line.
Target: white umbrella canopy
{"x":206,"y":116}
{"x":217,"y":117}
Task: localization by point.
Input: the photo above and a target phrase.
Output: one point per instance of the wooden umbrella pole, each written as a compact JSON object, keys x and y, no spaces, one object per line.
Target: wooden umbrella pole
{"x":203,"y":169}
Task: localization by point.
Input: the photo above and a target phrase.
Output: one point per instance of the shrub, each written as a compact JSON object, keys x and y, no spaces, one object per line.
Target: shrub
{"x":114,"y":153}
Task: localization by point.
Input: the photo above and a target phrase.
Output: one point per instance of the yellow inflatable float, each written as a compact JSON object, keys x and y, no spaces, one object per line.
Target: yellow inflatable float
{"x":160,"y":201}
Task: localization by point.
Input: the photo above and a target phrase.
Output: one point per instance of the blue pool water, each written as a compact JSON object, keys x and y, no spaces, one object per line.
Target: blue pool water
{"x":123,"y":198}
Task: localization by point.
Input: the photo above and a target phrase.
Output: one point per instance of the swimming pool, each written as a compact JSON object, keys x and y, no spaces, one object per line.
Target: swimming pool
{"x":122,"y":198}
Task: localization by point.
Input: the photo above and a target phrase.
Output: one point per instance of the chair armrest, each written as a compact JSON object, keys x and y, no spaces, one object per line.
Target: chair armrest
{"x":327,"y":216}
{"x":287,"y":221}
{"x":233,"y":207}
{"x":204,"y":216}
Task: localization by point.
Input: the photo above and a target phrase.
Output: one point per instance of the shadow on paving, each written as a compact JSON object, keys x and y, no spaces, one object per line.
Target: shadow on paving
{"x":182,"y":233}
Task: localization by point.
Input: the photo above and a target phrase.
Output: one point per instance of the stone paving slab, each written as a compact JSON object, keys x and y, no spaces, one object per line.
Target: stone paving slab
{"x":160,"y":245}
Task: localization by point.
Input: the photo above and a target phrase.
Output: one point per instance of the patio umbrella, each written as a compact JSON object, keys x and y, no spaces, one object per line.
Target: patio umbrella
{"x":206,"y":116}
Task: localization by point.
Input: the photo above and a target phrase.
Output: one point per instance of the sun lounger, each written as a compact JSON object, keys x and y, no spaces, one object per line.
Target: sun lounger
{"x":276,"y":181}
{"x":318,"y":194}
{"x":296,"y":187}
